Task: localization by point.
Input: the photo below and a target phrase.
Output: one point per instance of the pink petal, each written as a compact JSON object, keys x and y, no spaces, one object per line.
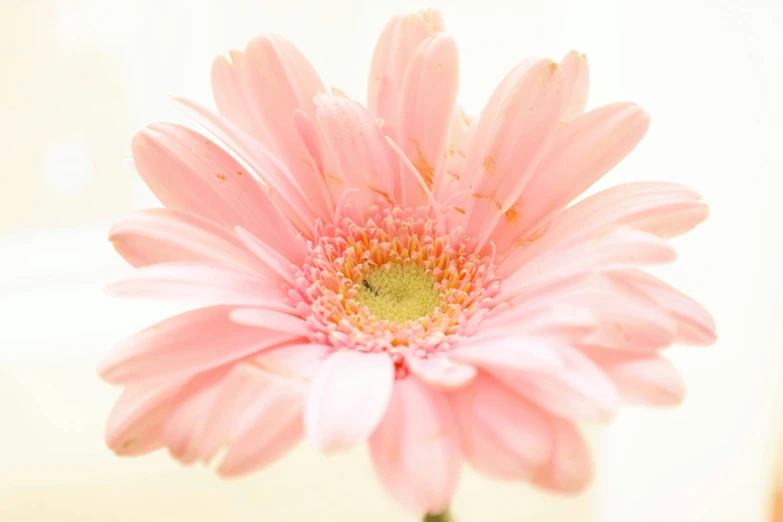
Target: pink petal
{"x":415,"y":449}
{"x":619,"y":249}
{"x":284,"y":189}
{"x":410,"y":178}
{"x":516,"y":353}
{"x":570,"y":468}
{"x":187,"y":422}
{"x":396,"y":45}
{"x":170,"y":156}
{"x":281,"y":81}
{"x":162,"y":235}
{"x":441,"y":372}
{"x":580,"y":154}
{"x":187,"y":344}
{"x":529,"y":115}
{"x":503,"y":435}
{"x":278,"y":268}
{"x":295,"y":362}
{"x":428,"y":95}
{"x":203,"y":283}
{"x":358,"y":146}
{"x":694,"y":324}
{"x":256,"y":416}
{"x":579,"y":390}
{"x":271,"y":320}
{"x":231,"y":96}
{"x":458,"y":142}
{"x":663,"y":209}
{"x":576,"y":74}
{"x":649,"y":380}
{"x":135,"y":425}
{"x":348,"y":398}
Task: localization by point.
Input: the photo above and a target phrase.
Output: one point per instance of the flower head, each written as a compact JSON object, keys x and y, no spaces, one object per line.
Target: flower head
{"x":401,"y":274}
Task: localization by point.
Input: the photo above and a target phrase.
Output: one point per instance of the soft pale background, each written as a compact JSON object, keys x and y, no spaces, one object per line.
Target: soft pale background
{"x":78,"y":77}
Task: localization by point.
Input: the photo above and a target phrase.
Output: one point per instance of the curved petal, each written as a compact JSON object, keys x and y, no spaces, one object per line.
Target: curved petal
{"x":283,"y":188}
{"x":579,"y":154}
{"x":576,"y":74}
{"x":503,"y":435}
{"x":257,"y":417}
{"x":348,"y":398}
{"x":202,"y":283}
{"x":135,"y":425}
{"x":396,"y":45}
{"x":695,"y":325}
{"x":187,"y":344}
{"x":663,"y":209}
{"x":516,"y":353}
{"x":170,"y":157}
{"x":441,"y":372}
{"x":528,"y":118}
{"x":281,"y":81}
{"x":162,"y":235}
{"x":570,"y":467}
{"x":358,"y":146}
{"x":649,"y":380}
{"x":428,"y":95}
{"x":579,"y":390}
{"x":415,"y":449}
{"x":270,"y":320}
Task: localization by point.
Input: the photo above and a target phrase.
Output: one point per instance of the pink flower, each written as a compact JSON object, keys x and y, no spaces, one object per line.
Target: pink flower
{"x":400,"y":274}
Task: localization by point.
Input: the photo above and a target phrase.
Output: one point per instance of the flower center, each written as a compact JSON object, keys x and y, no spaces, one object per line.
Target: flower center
{"x":399,"y":281}
{"x":398,"y":292}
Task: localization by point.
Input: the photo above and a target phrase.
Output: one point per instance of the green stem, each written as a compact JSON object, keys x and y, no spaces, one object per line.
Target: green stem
{"x":440,"y":517}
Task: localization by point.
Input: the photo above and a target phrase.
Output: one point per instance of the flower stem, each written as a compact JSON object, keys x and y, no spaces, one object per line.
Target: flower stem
{"x":439,"y":517}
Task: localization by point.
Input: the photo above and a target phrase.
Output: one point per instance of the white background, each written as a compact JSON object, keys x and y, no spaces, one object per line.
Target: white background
{"x":79,"y":77}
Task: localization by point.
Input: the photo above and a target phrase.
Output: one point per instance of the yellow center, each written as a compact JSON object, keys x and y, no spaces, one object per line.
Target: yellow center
{"x":398,"y":292}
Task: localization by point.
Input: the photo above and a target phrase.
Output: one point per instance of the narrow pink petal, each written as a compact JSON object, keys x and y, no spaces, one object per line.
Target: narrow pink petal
{"x":277,"y":267}
{"x":135,"y":425}
{"x":428,"y":95}
{"x":570,"y":468}
{"x":296,"y":362}
{"x":271,"y":320}
{"x":187,"y":422}
{"x":516,"y":353}
{"x":203,"y":283}
{"x":395,"y":47}
{"x":170,"y":157}
{"x":284,"y":189}
{"x":458,"y":142}
{"x":348,"y":398}
{"x":576,"y":74}
{"x":621,"y":248}
{"x":187,"y":344}
{"x":249,"y":397}
{"x":415,"y":449}
{"x":162,"y":235}
{"x":664,"y":209}
{"x":649,"y":380}
{"x":388,"y":104}
{"x":414,"y":188}
{"x":441,"y":372}
{"x":281,"y":81}
{"x":231,"y":97}
{"x":695,"y":325}
{"x":579,"y":390}
{"x":503,"y":435}
{"x":580,"y":154}
{"x":526,"y":121}
{"x":484,"y":126}
{"x":358,"y":146}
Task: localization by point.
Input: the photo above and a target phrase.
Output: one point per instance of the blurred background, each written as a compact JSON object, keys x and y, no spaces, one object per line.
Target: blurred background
{"x":80,"y":77}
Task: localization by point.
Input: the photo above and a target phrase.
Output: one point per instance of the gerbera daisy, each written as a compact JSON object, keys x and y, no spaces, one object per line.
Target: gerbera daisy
{"x":400,"y":273}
